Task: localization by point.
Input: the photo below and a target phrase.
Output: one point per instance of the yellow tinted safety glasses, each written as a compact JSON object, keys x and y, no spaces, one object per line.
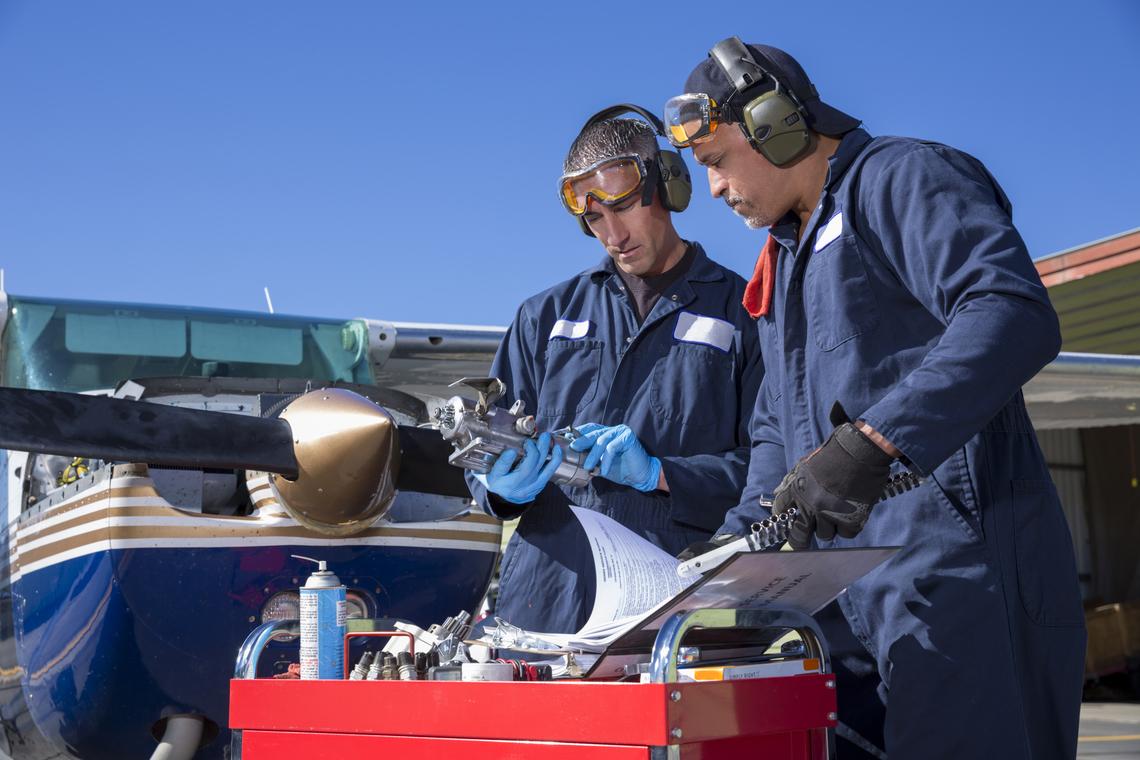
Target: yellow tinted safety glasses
{"x":608,"y":181}
{"x":691,"y":119}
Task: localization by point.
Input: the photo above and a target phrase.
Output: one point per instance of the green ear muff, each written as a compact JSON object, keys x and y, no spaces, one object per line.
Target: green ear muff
{"x":774,"y":122}
{"x":673,"y":182}
{"x":774,"y":126}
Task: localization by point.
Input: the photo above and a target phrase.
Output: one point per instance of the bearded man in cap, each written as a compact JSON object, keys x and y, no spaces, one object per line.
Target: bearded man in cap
{"x":899,"y":314}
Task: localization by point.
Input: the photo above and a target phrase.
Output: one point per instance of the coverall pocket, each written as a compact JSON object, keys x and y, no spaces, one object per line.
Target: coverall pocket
{"x":837,"y":294}
{"x":691,"y":384}
{"x":571,"y":380}
{"x":953,"y":489}
{"x":1046,"y":572}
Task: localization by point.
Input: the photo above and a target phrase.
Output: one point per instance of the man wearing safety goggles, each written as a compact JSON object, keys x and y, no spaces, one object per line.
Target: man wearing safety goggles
{"x":648,"y":355}
{"x":893,"y":286}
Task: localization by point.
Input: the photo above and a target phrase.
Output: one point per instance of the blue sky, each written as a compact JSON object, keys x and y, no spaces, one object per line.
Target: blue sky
{"x":399,"y":160}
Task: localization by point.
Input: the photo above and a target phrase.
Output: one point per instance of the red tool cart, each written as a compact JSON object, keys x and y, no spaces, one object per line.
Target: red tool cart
{"x":776,"y":718}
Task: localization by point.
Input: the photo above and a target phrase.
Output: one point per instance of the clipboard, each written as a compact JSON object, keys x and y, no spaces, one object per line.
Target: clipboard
{"x":801,"y":581}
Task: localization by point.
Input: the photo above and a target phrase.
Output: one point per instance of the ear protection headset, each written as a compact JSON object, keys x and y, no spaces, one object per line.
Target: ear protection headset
{"x":668,"y":175}
{"x":775,"y":121}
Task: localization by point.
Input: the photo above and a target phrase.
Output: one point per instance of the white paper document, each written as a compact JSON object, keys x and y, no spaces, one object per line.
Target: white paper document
{"x":638,"y":586}
{"x":634,"y":576}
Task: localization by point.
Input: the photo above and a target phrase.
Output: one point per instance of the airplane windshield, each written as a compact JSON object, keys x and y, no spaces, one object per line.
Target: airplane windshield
{"x":77,"y":346}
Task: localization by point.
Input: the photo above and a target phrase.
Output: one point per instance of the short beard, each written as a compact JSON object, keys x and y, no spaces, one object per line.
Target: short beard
{"x":753,"y":221}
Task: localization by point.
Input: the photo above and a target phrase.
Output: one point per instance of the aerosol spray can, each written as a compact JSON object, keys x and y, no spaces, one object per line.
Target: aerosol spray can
{"x":322,"y":624}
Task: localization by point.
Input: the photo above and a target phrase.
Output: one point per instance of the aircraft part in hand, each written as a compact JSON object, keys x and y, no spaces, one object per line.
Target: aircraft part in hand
{"x":481,"y":432}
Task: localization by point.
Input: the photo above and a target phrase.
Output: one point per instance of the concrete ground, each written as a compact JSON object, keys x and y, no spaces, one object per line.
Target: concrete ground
{"x":1109,"y":731}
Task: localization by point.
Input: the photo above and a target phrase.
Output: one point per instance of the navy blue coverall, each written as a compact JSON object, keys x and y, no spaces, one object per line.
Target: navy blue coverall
{"x":912,"y":300}
{"x":684,"y":381}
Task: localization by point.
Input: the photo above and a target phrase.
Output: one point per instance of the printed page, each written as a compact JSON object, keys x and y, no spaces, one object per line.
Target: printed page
{"x":633,"y":575}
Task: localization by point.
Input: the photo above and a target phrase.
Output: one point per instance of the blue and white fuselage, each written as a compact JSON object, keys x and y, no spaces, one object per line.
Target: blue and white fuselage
{"x":129,"y":590}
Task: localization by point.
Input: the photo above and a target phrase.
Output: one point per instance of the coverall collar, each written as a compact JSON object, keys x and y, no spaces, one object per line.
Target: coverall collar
{"x":849,"y":148}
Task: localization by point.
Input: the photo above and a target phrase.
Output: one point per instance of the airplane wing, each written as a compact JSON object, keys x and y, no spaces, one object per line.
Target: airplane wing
{"x":1085,"y":390}
{"x":422,"y":359}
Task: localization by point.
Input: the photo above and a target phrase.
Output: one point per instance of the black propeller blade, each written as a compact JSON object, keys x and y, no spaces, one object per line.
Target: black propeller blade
{"x":122,"y":430}
{"x":423,"y":464}
{"x":101,"y":427}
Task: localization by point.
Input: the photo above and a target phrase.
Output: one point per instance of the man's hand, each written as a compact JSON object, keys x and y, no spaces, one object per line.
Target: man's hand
{"x":523,"y":483}
{"x":834,"y":487}
{"x":622,"y":457}
{"x":701,"y":547}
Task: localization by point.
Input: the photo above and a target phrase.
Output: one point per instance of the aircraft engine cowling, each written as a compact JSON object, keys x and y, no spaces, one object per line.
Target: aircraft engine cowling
{"x":348,"y":458}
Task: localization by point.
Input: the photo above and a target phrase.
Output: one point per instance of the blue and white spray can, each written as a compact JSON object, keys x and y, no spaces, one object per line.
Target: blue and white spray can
{"x":322,"y":624}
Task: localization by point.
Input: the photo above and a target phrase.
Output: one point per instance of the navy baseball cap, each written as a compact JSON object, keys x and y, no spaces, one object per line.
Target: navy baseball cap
{"x":708,"y":77}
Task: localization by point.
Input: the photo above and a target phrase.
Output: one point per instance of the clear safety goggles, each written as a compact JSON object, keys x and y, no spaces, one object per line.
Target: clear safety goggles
{"x":691,"y":119}
{"x":609,"y":181}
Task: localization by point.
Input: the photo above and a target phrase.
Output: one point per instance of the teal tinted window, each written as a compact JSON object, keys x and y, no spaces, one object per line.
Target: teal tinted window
{"x":129,"y":334}
{"x":246,"y":342}
{"x":75,"y":346}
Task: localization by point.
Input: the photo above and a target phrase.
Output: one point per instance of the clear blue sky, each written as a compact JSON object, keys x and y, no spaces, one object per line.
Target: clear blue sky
{"x":399,"y":160}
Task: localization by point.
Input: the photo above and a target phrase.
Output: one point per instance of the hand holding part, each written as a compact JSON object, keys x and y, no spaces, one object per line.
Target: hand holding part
{"x":619,"y":454}
{"x":520,"y":483}
{"x":834,"y":487}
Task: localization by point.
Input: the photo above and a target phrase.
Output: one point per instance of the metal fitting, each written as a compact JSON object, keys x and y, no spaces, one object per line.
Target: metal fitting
{"x":406,"y":666}
{"x":388,"y":669}
{"x":360,"y":672}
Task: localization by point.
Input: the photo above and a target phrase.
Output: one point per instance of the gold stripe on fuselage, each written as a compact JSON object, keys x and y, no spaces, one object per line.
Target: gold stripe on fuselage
{"x":223,"y":530}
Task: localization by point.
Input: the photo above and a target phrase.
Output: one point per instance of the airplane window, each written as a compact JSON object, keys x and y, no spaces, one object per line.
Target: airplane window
{"x":124,"y":333}
{"x":248,"y":342}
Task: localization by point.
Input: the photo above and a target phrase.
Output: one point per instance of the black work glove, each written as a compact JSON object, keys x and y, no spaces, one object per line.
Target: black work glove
{"x":834,"y":487}
{"x":700,"y":547}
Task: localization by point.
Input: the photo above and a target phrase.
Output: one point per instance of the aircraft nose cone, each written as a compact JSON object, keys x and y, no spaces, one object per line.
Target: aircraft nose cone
{"x":348,"y":456}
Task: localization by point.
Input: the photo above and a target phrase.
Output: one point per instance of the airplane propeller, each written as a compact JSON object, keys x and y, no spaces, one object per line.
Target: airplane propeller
{"x":336,"y":458}
{"x":121,"y":430}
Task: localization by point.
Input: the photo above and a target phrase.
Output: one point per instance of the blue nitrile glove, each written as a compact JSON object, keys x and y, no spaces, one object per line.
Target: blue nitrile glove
{"x":623,"y":459}
{"x":523,"y":483}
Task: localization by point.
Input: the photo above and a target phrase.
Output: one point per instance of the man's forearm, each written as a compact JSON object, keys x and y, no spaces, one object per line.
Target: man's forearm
{"x":877,"y":438}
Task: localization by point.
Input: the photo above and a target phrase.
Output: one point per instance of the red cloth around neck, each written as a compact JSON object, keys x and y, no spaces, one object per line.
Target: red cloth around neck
{"x":758,"y":291}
